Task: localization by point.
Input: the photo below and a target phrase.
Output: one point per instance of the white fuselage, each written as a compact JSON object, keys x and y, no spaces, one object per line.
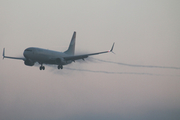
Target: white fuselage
{"x":45,"y":56}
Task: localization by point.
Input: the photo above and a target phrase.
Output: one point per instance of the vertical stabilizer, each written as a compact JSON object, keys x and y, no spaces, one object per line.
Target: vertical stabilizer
{"x":71,"y":49}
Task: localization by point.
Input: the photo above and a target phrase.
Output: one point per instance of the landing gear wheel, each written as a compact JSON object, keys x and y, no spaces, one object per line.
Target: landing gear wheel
{"x":42,"y":68}
{"x":60,"y":66}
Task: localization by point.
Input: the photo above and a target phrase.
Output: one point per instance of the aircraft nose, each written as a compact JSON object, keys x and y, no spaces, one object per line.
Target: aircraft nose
{"x":25,"y":54}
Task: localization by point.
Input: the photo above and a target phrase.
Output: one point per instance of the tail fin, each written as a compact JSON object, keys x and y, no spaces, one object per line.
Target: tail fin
{"x":71,"y":48}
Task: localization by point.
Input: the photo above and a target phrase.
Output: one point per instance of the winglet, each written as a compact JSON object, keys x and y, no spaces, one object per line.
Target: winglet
{"x":3,"y":53}
{"x":112,"y":48}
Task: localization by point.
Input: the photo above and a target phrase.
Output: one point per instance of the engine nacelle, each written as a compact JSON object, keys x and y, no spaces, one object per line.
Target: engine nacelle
{"x":60,"y":61}
{"x":29,"y":62}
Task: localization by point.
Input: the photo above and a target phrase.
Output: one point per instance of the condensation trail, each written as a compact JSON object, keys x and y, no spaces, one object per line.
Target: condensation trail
{"x":133,"y":65}
{"x":108,"y":72}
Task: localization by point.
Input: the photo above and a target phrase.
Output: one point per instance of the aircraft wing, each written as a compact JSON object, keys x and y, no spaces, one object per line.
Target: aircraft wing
{"x":18,"y":58}
{"x":77,"y":57}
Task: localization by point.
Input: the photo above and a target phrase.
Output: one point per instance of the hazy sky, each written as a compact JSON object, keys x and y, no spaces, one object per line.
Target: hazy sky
{"x":109,"y":86}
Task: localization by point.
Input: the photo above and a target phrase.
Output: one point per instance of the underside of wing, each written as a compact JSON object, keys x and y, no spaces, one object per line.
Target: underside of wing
{"x":17,"y":58}
{"x":77,"y":57}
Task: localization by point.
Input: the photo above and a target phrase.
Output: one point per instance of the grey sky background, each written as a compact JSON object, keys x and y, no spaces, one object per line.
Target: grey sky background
{"x":145,"y":33}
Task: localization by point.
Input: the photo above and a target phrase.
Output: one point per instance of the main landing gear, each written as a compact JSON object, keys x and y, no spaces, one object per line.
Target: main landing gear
{"x":42,"y":67}
{"x":60,"y":66}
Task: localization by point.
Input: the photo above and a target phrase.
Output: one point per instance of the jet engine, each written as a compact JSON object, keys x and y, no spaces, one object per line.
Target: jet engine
{"x":60,"y":61}
{"x":29,"y":62}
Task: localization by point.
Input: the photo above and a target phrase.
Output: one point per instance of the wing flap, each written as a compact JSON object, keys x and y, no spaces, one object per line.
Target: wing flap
{"x":76,"y":57}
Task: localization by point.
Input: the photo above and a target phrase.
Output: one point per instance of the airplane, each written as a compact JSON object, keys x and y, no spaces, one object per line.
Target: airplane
{"x":44,"y":56}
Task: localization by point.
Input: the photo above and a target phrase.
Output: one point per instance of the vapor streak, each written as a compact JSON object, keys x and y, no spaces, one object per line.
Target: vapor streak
{"x":108,"y":72}
{"x":133,"y":65}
